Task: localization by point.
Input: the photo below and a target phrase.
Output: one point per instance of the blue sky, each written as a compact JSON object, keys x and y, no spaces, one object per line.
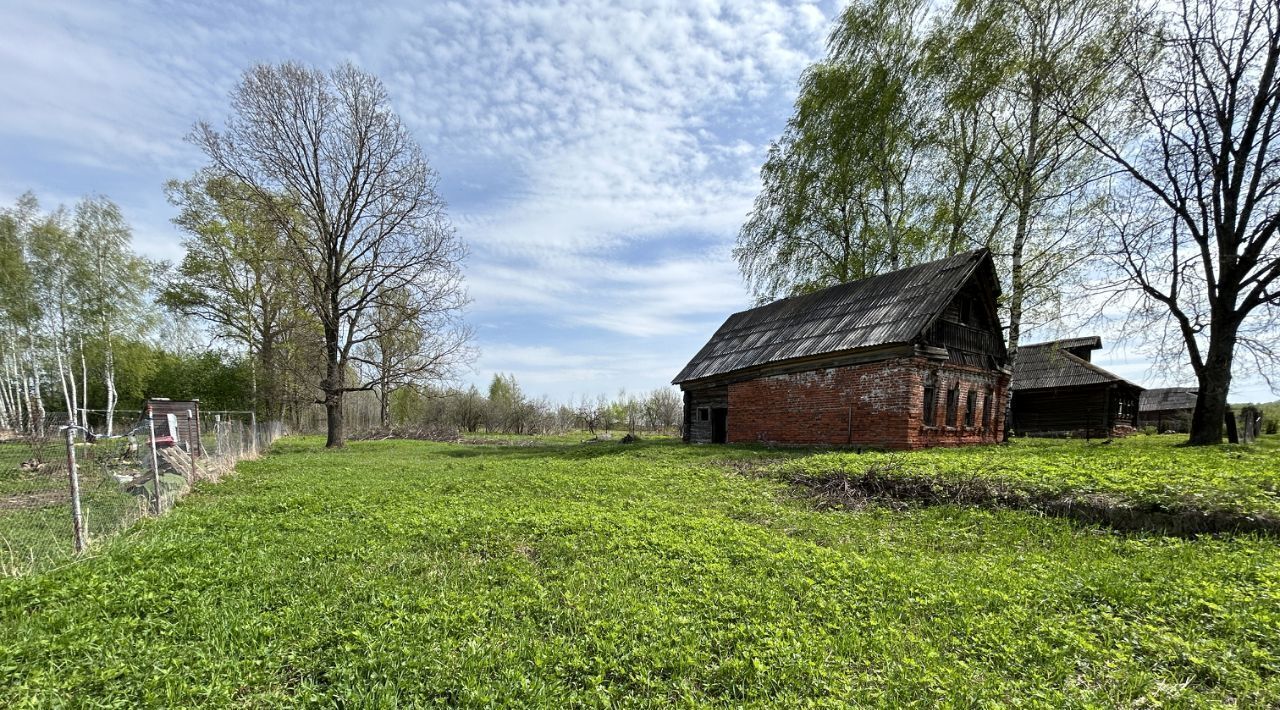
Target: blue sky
{"x":598,"y":157}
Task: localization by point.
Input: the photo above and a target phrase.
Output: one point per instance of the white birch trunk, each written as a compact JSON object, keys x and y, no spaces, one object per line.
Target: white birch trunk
{"x":6,"y":408}
{"x":110,"y":375}
{"x":73,"y":414}
{"x":37,"y":398}
{"x":84,"y":386}
{"x":66,"y":389}
{"x":15,"y":393}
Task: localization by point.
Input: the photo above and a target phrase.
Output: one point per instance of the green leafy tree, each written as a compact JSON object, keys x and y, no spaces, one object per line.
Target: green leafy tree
{"x":1030,"y":61}
{"x":840,"y":198}
{"x":114,"y":286}
{"x":237,"y":275}
{"x":21,"y":315}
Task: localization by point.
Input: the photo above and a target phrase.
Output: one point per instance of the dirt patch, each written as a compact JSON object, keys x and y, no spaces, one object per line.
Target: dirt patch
{"x":35,"y":499}
{"x":888,"y":485}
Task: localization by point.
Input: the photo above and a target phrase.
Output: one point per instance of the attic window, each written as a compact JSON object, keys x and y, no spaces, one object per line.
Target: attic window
{"x":966,"y":310}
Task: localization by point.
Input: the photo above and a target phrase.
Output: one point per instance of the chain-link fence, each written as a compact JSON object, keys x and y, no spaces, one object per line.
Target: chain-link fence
{"x":136,"y":471}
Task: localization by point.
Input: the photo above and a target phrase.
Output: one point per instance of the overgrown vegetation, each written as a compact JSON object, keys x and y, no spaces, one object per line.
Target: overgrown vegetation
{"x":641,"y":575}
{"x":1222,"y":487}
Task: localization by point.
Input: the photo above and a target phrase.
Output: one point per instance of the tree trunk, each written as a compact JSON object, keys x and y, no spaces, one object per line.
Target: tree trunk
{"x":66,"y":390}
{"x":272,"y":400}
{"x":1215,"y":384}
{"x":333,"y":411}
{"x":5,"y":407}
{"x":110,"y":375}
{"x":333,"y":385}
{"x":84,"y":386}
{"x":36,"y":406}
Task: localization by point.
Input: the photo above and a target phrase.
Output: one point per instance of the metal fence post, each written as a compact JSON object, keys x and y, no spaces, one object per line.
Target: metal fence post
{"x":155,"y":459}
{"x":193,"y":445}
{"x":77,"y":518}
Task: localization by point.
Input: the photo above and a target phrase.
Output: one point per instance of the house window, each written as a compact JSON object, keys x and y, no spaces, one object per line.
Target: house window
{"x":704,"y":414}
{"x":986,"y":409}
{"x":953,"y":403}
{"x":931,"y":400}
{"x":970,"y":408}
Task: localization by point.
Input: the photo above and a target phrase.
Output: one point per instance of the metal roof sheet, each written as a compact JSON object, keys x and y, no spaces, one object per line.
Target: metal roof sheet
{"x":881,"y":310}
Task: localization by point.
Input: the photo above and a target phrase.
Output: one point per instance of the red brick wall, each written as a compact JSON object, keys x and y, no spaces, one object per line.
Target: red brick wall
{"x":877,"y":404}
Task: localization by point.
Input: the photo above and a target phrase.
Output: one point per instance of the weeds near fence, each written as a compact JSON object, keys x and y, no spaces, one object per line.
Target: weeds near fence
{"x":119,"y":481}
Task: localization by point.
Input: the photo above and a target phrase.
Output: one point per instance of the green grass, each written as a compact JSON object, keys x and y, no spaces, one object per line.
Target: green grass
{"x":1137,"y":470}
{"x":407,"y":573}
{"x":35,"y":516}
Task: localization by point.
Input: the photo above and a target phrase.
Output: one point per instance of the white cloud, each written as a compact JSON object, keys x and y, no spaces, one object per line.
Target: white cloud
{"x":600,"y":155}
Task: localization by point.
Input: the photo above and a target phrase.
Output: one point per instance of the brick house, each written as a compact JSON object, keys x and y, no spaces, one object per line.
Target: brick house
{"x":905,"y":360}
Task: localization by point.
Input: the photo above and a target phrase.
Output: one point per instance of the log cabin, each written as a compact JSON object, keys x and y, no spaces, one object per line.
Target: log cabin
{"x":1058,"y":391}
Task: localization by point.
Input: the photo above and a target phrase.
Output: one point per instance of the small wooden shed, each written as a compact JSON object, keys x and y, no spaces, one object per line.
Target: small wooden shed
{"x":177,"y":421}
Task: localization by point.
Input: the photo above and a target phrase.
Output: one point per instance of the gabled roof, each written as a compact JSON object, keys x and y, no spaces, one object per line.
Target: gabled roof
{"x":888,"y":309}
{"x":1159,"y":400}
{"x":1051,"y":364}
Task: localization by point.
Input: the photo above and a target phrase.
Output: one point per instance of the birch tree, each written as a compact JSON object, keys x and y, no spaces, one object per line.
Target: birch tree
{"x":57,"y":265}
{"x":841,"y":197}
{"x":1029,"y":62}
{"x":113,"y":288}
{"x":22,"y":309}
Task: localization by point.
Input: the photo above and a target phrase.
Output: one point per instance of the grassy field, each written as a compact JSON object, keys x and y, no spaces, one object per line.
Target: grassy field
{"x":1137,"y":471}
{"x":407,"y":573}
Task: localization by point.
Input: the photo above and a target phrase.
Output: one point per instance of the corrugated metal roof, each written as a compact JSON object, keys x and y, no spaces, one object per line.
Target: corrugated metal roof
{"x":881,"y":310}
{"x":1044,"y":365}
{"x":1159,"y":400}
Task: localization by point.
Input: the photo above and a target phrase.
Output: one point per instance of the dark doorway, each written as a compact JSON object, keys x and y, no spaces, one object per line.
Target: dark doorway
{"x":719,"y":425}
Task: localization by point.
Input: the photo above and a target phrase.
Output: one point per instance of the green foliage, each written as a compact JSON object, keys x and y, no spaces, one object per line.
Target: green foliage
{"x":839,"y":200}
{"x":409,"y":573}
{"x":1135,"y":470}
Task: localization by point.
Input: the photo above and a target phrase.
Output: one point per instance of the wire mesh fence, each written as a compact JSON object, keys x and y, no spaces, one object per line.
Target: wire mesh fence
{"x":137,"y":471}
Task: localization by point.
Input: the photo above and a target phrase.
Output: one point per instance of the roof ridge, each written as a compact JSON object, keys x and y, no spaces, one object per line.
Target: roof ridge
{"x":958,"y":256}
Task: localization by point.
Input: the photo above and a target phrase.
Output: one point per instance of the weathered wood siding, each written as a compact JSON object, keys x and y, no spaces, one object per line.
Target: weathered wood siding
{"x":1095,"y":410}
{"x":698,"y":431}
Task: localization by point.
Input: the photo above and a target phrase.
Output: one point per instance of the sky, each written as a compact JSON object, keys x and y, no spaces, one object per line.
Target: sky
{"x":597,"y":157}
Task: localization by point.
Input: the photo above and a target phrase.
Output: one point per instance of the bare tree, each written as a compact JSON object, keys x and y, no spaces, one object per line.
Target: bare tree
{"x":415,"y":343}
{"x":368,"y":221}
{"x":1199,"y":210}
